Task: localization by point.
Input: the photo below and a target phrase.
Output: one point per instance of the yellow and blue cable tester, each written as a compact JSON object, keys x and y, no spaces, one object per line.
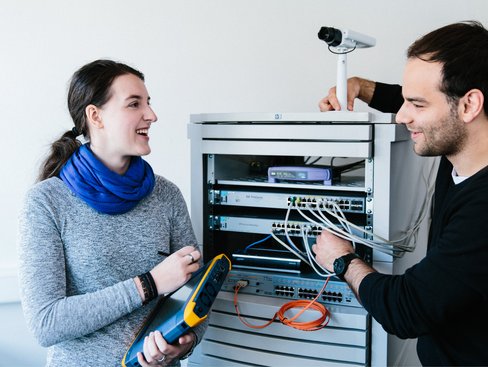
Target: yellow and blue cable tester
{"x":185,"y":308}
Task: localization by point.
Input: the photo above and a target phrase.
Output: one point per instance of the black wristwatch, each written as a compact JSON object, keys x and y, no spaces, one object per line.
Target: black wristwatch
{"x":341,"y":264}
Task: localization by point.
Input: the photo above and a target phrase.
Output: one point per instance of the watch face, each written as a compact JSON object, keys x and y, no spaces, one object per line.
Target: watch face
{"x":339,"y":265}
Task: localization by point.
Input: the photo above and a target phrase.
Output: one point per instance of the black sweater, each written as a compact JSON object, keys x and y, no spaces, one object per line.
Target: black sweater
{"x":442,"y":300}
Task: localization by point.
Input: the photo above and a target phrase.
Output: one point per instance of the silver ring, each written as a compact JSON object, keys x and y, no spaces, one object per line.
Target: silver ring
{"x":162,"y":358}
{"x":192,"y":258}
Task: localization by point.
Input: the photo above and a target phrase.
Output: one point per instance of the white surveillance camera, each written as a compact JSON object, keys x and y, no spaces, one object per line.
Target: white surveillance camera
{"x":343,"y":42}
{"x":345,"y":38}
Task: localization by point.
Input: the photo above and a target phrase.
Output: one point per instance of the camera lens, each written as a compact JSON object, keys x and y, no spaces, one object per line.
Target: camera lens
{"x":332,"y":36}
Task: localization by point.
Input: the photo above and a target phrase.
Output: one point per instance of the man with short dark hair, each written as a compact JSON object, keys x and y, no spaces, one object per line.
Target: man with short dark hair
{"x":443,"y":299}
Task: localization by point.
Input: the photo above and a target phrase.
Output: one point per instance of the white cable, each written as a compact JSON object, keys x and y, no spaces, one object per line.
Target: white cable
{"x":343,"y":221}
{"x":286,"y":228}
{"x":327,"y":226}
{"x":327,"y":273}
{"x":396,"y":247}
{"x":383,"y":242}
{"x":338,"y":231}
{"x":393,"y":247}
{"x":289,"y":248}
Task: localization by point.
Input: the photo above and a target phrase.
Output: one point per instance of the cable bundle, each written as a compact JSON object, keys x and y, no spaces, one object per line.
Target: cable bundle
{"x":341,"y":227}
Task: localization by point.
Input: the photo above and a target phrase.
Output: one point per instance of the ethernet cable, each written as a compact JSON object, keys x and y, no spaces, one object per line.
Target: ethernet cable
{"x":311,"y":257}
{"x":287,"y":216}
{"x":256,"y":243}
{"x":400,"y":245}
{"x":396,"y":247}
{"x":380,"y":244}
{"x":293,"y":251}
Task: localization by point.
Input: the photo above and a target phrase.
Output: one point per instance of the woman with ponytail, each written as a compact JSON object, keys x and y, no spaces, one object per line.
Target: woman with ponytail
{"x":94,"y":225}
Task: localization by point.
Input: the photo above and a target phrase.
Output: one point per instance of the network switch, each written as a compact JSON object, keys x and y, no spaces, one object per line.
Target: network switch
{"x":260,"y":199}
{"x":291,"y":287}
{"x":265,"y":226}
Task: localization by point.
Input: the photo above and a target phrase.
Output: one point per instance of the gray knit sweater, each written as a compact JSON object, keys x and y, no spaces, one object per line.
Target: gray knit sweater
{"x":77,"y":268}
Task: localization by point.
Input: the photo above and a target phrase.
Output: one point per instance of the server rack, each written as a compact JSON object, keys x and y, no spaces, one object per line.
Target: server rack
{"x":235,"y":202}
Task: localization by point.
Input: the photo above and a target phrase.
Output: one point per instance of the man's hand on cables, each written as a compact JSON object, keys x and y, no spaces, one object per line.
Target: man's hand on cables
{"x":329,"y":247}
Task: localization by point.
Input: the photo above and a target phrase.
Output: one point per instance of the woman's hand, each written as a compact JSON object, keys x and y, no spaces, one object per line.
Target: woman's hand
{"x":176,"y":269}
{"x":157,"y":352}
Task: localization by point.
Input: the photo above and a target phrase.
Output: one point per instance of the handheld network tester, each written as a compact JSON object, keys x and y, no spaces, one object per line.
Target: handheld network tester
{"x":185,"y":308}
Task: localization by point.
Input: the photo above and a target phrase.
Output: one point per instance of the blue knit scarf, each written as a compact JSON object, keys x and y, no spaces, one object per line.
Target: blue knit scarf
{"x":102,"y":189}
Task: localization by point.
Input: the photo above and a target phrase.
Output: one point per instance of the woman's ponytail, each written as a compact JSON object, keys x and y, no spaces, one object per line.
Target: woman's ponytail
{"x":61,"y":151}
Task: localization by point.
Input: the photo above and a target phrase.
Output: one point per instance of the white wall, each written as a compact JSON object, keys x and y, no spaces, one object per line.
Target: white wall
{"x":198,"y":56}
